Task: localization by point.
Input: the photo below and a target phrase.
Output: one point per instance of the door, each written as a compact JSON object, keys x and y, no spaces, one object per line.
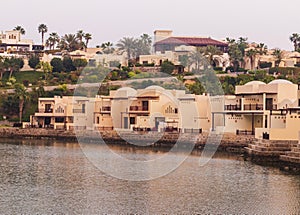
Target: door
{"x":158,"y":120}
{"x":47,"y":121}
{"x":125,"y":122}
{"x":269,"y":104}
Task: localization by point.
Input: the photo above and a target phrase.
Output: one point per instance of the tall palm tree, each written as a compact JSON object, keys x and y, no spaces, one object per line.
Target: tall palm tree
{"x":127,"y":44}
{"x":251,"y":54}
{"x":21,"y":29}
{"x":80,"y":36}
{"x":278,"y":56}
{"x":2,"y":67}
{"x":43,"y":29}
{"x":198,"y":58}
{"x":295,"y":38}
{"x":52,"y":40}
{"x":22,"y":94}
{"x":87,"y":38}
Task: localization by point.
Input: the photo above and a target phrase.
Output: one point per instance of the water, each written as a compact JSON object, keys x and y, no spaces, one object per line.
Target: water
{"x":39,"y":177}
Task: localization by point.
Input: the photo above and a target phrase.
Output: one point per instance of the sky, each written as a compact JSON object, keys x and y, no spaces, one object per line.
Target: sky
{"x":267,"y":21}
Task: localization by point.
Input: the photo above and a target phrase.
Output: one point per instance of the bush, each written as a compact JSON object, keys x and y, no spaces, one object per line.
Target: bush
{"x":68,"y":64}
{"x":80,"y":63}
{"x":57,"y":65}
{"x":33,"y":61}
{"x":131,"y":74}
{"x":167,"y":67}
{"x":264,"y":65}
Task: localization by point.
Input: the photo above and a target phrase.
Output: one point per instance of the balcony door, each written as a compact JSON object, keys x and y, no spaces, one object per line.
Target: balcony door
{"x":269,"y":104}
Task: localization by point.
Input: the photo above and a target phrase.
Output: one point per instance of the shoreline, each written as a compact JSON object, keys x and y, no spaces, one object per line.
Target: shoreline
{"x":230,"y":143}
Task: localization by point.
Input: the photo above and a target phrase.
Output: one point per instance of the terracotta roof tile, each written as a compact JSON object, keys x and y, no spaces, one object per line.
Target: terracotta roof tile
{"x":191,"y":41}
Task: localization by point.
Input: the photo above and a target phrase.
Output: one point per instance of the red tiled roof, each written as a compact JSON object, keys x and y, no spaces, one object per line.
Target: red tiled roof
{"x":196,"y":41}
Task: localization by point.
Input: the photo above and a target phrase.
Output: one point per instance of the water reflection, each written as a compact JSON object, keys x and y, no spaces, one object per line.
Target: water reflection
{"x":53,"y":177}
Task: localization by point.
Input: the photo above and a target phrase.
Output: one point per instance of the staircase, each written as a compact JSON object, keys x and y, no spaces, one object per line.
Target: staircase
{"x":270,"y":149}
{"x":293,"y":156}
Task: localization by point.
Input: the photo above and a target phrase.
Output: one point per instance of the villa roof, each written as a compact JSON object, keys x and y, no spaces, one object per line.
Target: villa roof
{"x":195,"y":41}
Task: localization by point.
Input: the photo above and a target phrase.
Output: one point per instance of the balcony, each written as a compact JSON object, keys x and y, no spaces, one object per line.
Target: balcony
{"x":139,"y":109}
{"x":254,"y":107}
{"x":46,"y":110}
{"x":232,"y":107}
{"x":106,"y":109}
{"x":78,"y":111}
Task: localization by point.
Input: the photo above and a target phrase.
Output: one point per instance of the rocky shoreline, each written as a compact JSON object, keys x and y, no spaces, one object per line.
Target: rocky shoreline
{"x":227,"y":142}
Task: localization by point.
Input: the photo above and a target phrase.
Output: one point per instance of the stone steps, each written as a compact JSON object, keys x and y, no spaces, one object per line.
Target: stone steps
{"x":267,"y":148}
{"x":290,"y":159}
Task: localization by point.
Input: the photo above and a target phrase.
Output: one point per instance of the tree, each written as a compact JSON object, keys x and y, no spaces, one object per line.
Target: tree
{"x":167,"y":67}
{"x":197,"y":57}
{"x":46,"y":68}
{"x":21,"y":94}
{"x":251,"y":53}
{"x":52,"y":40}
{"x":69,"y":42}
{"x":13,"y":64}
{"x":211,"y":51}
{"x":235,"y":53}
{"x":143,"y":45}
{"x":87,"y":37}
{"x":127,"y":44}
{"x":33,"y":61}
{"x":261,"y":49}
{"x":2,"y":67}
{"x":21,"y":29}
{"x":295,"y":39}
{"x":68,"y":64}
{"x":107,"y":48}
{"x":277,"y":53}
{"x":42,"y":29}
{"x":80,"y":63}
{"x":80,"y":35}
{"x":57,"y":65}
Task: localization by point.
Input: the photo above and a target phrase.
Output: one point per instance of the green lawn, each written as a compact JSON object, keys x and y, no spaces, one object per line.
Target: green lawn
{"x":31,"y":76}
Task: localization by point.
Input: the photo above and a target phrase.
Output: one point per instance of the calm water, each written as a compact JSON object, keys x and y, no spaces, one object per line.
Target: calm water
{"x":52,"y":177}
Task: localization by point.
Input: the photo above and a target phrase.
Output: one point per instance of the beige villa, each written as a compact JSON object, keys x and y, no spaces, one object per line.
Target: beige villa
{"x":266,"y":110}
{"x":150,"y":109}
{"x":66,"y":113}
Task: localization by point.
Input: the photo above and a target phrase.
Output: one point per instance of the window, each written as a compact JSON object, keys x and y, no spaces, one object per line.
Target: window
{"x":132,"y":120}
{"x":176,"y":110}
{"x":59,"y":119}
{"x":98,"y":120}
{"x":83,"y":108}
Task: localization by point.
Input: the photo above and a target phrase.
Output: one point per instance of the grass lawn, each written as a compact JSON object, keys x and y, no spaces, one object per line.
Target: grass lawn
{"x":31,"y":76}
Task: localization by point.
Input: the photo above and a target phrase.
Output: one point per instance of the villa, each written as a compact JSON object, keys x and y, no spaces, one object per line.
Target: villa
{"x":11,"y":43}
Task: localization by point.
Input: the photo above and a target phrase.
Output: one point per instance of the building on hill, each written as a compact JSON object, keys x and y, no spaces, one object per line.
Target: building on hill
{"x":12,"y":43}
{"x":165,"y":41}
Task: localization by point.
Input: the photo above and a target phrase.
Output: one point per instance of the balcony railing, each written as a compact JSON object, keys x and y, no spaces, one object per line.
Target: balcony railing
{"x":138,"y":108}
{"x":78,"y":111}
{"x":271,"y":107}
{"x":46,"y":110}
{"x":232,"y":107}
{"x":105,"y":109}
{"x":253,"y":107}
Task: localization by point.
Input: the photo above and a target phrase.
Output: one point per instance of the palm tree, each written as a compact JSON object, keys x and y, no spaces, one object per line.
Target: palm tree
{"x":107,"y":47}
{"x":278,"y":56}
{"x":251,"y":53}
{"x":2,"y":67}
{"x":22,"y":95}
{"x":69,"y":42}
{"x":211,"y":51}
{"x":80,"y":35}
{"x":295,"y":38}
{"x":43,"y":29}
{"x":20,"y":28}
{"x":52,"y":40}
{"x":197,"y":57}
{"x":127,"y":44}
{"x":87,"y":38}
{"x":261,"y":49}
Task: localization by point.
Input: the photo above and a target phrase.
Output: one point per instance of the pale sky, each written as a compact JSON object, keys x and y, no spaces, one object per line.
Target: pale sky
{"x":267,"y":21}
